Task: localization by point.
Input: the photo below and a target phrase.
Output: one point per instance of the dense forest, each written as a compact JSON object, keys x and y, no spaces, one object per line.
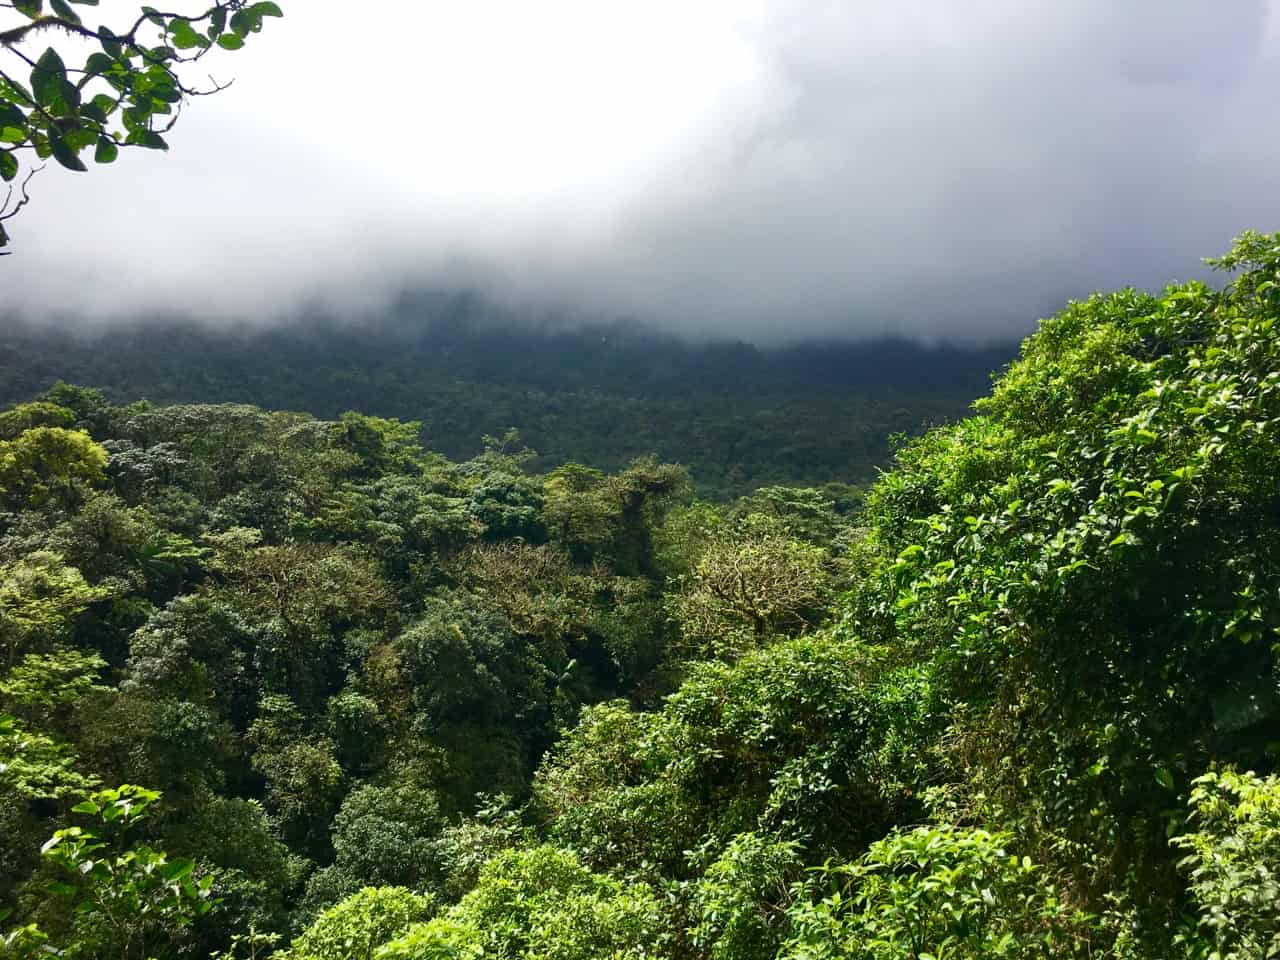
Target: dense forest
{"x":738,"y":417}
{"x":274,"y":685}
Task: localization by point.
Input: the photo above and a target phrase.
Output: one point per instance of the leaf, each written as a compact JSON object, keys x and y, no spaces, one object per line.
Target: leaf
{"x":266,"y":9}
{"x":86,"y":806}
{"x":63,"y":889}
{"x":185,"y":36}
{"x":98,"y":63}
{"x":11,"y":116}
{"x":8,"y":165}
{"x":63,"y":10}
{"x":47,"y":77}
{"x":110,"y":44}
{"x":106,"y":151}
{"x":229,"y":41}
{"x":65,"y":155}
{"x":32,"y":8}
{"x":176,"y":870}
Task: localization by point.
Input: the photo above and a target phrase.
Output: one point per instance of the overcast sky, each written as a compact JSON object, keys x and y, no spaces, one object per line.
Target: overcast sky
{"x":762,"y":170}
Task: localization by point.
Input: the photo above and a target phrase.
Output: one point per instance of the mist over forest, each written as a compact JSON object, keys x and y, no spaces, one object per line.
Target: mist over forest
{"x":738,"y":416}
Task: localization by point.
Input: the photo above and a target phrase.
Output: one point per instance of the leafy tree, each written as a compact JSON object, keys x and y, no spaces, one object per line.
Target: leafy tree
{"x":1085,"y":564}
{"x":933,"y":892}
{"x":127,"y":900}
{"x":1233,"y":862}
{"x":740,"y":902}
{"x":25,"y":416}
{"x":49,"y":467}
{"x":808,"y":739}
{"x":128,"y":93}
{"x":352,"y":929}
{"x":34,"y":765}
{"x":541,"y":903}
{"x":40,"y":599}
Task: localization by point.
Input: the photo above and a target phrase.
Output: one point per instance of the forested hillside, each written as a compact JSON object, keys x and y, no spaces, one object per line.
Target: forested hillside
{"x":737,"y":416}
{"x":275,"y":685}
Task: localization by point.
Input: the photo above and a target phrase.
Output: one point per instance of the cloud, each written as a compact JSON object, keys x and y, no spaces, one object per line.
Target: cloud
{"x":764,"y":170}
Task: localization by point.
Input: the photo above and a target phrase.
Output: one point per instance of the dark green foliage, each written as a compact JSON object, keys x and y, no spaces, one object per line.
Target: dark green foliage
{"x":739,"y":418}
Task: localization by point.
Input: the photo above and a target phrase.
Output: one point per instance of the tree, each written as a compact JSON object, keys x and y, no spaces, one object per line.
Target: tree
{"x":128,"y":93}
{"x":352,"y":929}
{"x":125,"y":899}
{"x":936,"y":891}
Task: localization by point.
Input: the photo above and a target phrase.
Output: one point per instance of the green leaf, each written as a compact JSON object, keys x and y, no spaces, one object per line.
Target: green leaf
{"x":98,"y":63}
{"x":86,"y":806}
{"x":11,"y":116}
{"x":217,"y":22}
{"x":8,"y":165}
{"x":176,"y":870}
{"x":62,"y":9}
{"x":65,"y":155}
{"x":63,"y":889}
{"x":241,"y":23}
{"x":266,"y":9}
{"x":32,"y":8}
{"x":110,"y":44}
{"x":106,"y":151}
{"x":185,"y":36}
{"x":230,"y":41}
{"x":47,"y":78}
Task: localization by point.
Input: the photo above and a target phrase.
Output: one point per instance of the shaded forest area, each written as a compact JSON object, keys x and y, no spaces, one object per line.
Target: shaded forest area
{"x":738,"y":417}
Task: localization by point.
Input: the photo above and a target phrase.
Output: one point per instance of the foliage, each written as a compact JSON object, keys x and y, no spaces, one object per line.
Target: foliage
{"x":934,"y":892}
{"x":352,"y":929}
{"x":540,"y":903}
{"x":127,"y":93}
{"x":1233,"y":863}
{"x":1084,"y":564}
{"x":126,"y":899}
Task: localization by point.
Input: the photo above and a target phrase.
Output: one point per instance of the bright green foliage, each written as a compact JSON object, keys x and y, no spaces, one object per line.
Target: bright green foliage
{"x":932,"y":893}
{"x":352,"y":929}
{"x":48,"y":466}
{"x":541,"y":903}
{"x":34,"y":765}
{"x":25,"y":416}
{"x":741,"y":900}
{"x":127,"y":900}
{"x":42,"y":682}
{"x":127,"y":92}
{"x":1233,"y":864}
{"x":40,"y":598}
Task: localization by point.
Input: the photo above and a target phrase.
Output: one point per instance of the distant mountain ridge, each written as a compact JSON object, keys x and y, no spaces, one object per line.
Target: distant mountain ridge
{"x":736,"y":414}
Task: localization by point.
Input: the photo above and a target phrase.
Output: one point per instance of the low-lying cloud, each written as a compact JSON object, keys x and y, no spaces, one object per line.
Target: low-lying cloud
{"x":762,"y":170}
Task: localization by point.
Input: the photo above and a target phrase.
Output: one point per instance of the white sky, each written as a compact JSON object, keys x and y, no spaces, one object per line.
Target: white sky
{"x":758,"y":168}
